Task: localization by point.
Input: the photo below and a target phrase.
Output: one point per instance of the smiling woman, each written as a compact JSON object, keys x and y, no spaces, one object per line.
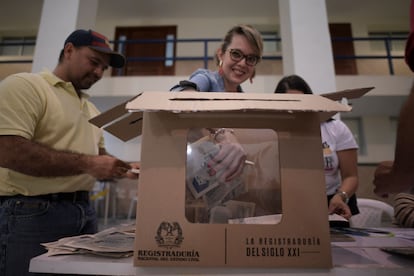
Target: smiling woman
{"x":237,"y":57}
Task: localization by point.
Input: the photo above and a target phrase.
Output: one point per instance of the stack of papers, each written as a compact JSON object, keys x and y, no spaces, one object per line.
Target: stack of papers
{"x":116,"y":242}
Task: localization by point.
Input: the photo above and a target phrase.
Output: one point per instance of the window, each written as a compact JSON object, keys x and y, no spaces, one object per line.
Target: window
{"x":271,"y":42}
{"x":355,"y":125}
{"x":211,"y":198}
{"x":396,"y":40}
{"x":17,"y":46}
{"x":271,"y":38}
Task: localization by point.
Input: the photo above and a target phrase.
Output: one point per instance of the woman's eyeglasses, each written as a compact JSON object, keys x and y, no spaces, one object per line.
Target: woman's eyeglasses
{"x":237,"y":55}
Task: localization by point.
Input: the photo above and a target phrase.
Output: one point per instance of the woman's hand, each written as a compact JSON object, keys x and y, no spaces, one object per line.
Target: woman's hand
{"x":229,"y":162}
{"x":338,"y":206}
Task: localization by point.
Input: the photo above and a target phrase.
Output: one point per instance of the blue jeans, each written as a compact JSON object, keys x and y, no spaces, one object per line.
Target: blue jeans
{"x":27,"y":222}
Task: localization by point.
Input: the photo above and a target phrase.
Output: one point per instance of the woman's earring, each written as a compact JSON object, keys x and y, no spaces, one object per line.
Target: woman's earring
{"x":252,"y":76}
{"x":221,"y":72}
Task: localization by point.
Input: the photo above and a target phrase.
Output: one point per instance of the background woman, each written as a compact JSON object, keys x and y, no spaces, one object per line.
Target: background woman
{"x":339,"y":152}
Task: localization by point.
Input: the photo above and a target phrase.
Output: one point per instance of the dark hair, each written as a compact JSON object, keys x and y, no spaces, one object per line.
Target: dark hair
{"x":293,"y":82}
{"x":252,"y":35}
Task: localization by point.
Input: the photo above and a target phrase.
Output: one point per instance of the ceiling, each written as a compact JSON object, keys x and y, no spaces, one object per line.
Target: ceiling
{"x":18,"y":13}
{"x":257,"y":8}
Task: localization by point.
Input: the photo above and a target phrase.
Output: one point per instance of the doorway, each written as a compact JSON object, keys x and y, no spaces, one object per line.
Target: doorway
{"x":150,"y":50}
{"x":345,"y":48}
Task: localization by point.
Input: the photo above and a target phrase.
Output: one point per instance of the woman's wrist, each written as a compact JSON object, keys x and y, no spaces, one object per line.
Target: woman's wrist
{"x":344,"y":196}
{"x":221,"y":132}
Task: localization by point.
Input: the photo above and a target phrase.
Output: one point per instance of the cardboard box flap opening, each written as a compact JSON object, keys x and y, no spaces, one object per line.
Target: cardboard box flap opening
{"x":211,"y":102}
{"x":112,"y":114}
{"x":119,"y":122}
{"x":348,"y":93}
{"x":127,"y":128}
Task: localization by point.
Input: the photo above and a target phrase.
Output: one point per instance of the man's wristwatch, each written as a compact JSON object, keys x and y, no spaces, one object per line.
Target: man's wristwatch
{"x":344,"y":196}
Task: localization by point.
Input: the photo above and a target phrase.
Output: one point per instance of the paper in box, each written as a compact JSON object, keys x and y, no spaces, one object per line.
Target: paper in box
{"x":165,"y":236}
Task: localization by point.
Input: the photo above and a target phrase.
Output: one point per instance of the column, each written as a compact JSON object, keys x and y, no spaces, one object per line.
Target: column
{"x":306,"y":43}
{"x":59,"y":18}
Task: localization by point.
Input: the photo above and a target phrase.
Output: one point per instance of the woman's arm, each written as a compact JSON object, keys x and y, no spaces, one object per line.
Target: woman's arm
{"x":348,"y":160}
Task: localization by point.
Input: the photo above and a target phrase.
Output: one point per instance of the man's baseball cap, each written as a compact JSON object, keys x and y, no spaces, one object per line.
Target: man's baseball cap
{"x":97,"y":42}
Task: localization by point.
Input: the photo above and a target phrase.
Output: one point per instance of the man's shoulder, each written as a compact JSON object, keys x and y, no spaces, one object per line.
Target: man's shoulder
{"x":19,"y":80}
{"x":20,"y":75}
{"x":30,"y":77}
{"x":25,"y":83}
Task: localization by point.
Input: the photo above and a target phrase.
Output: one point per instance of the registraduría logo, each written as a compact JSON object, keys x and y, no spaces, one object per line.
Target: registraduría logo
{"x":169,"y":235}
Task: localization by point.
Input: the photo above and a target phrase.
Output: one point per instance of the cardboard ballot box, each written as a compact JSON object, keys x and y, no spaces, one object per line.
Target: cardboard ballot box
{"x":164,"y":234}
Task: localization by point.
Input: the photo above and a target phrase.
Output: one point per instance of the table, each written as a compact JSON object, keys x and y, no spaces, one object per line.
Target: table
{"x":362,"y":256}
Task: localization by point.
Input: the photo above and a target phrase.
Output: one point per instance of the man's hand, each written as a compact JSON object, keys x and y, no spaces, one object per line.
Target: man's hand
{"x":388,"y":181}
{"x":383,"y":178}
{"x":105,"y":167}
{"x":133,"y":173}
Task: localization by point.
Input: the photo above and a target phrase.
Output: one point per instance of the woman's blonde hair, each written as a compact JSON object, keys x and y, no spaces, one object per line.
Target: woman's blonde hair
{"x":252,"y":35}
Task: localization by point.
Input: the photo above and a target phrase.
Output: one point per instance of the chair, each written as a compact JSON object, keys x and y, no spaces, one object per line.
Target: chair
{"x":104,"y":191}
{"x":371,"y":213}
{"x":132,"y":206}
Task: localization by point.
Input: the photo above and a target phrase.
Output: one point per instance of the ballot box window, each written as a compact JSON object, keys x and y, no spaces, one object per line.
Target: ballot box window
{"x":252,"y":193}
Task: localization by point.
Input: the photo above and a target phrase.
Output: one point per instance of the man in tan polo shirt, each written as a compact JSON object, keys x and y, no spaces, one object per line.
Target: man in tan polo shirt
{"x":50,"y":155}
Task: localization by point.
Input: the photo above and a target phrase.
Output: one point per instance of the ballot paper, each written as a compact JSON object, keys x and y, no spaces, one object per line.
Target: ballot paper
{"x":116,"y":242}
{"x":211,"y":188}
